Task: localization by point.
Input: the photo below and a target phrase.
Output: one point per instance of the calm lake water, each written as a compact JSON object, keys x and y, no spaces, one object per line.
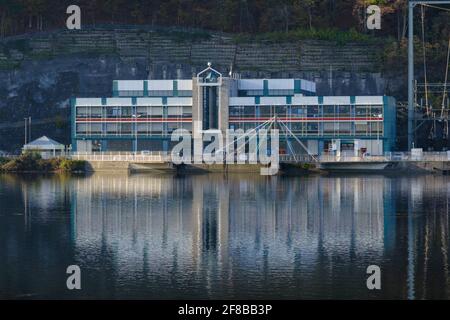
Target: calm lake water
{"x":211,"y":236}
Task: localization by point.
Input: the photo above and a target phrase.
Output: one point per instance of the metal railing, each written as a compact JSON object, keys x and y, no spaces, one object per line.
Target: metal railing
{"x":389,"y":156}
{"x":164,"y":156}
{"x":149,"y":156}
{"x":290,"y":158}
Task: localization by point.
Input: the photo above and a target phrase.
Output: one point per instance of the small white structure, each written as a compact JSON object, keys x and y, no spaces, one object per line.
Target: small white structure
{"x":46,"y":147}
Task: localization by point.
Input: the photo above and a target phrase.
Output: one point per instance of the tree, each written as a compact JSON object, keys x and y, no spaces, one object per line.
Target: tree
{"x":309,"y":5}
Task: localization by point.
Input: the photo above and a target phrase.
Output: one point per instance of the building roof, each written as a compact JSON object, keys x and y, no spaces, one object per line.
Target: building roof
{"x":44,"y":143}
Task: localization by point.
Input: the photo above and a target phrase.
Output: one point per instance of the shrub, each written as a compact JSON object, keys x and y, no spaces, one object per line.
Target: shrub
{"x":3,"y":161}
{"x":28,"y":161}
{"x":72,"y":165}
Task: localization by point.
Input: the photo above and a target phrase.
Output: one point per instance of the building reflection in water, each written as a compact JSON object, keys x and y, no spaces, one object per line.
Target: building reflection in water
{"x":210,"y":236}
{"x":250,"y":236}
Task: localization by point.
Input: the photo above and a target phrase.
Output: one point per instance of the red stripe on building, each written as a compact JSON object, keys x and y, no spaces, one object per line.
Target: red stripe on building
{"x":234,"y":119}
{"x":113,"y":120}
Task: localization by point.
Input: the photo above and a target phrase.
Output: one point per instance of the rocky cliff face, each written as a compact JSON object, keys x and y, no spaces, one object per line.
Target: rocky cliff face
{"x":39,"y":73}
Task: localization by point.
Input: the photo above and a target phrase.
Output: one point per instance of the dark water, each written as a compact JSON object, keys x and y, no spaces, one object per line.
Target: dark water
{"x":224,"y":237}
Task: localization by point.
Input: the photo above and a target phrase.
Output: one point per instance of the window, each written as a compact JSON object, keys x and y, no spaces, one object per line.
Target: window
{"x":281,"y":92}
{"x":125,"y":128}
{"x":82,"y":128}
{"x":329,"y":128}
{"x":174,"y":111}
{"x":361,"y":111}
{"x":187,"y":126}
{"x":343,"y":111}
{"x":142,"y":127}
{"x":126,"y":112}
{"x":184,"y":93}
{"x":156,"y":112}
{"x":96,"y":128}
{"x":112,"y":128}
{"x":171,"y":126}
{"x":236,"y":111}
{"x":344,"y":128}
{"x":329,"y":111}
{"x":376,"y":112}
{"x":142,"y":112}
{"x":131,"y":93}
{"x":82,"y":112}
{"x":361,"y":128}
{"x":264,"y":111}
{"x":298,"y":111}
{"x":113,"y":112}
{"x":156,"y":128}
{"x":160,"y":93}
{"x":96,"y":112}
{"x":249,"y":111}
{"x":297,"y":127}
{"x":280,"y":111}
{"x":313,"y":111}
{"x":250,"y":93}
{"x":376,"y":128}
{"x":187,"y":112}
{"x":313,"y":128}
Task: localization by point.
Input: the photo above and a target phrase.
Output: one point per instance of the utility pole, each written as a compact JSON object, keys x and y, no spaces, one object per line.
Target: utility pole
{"x":26,"y":133}
{"x":411,"y":6}
{"x":411,"y":109}
{"x":29,"y":128}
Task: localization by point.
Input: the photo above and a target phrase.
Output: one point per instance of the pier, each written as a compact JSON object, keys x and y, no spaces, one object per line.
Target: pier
{"x":437,"y":162}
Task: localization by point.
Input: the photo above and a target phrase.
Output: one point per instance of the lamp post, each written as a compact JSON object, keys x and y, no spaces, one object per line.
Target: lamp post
{"x":29,"y":128}
{"x":26,"y":133}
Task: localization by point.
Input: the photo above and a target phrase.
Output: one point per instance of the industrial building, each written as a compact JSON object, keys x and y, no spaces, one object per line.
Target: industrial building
{"x":142,"y":114}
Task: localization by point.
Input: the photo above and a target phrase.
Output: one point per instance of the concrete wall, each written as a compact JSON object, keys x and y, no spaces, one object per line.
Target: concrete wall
{"x":224,"y":105}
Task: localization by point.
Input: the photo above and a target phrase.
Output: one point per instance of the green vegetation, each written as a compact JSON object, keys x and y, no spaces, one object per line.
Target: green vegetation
{"x":9,"y":65}
{"x":307,"y":166}
{"x":339,"y":36}
{"x":183,"y":36}
{"x":232,"y":16}
{"x":3,"y":161}
{"x":72,"y":165}
{"x":32,"y":162}
{"x":248,"y":21}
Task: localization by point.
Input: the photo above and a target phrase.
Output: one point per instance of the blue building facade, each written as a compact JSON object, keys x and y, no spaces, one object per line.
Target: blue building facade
{"x":142,"y":114}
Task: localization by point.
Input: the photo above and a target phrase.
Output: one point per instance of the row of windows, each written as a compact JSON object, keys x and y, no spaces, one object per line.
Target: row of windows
{"x":325,"y":129}
{"x":271,"y":92}
{"x":326,"y":110}
{"x":155,"y":93}
{"x":306,"y":111}
{"x":298,"y":128}
{"x":127,"y":112}
{"x":129,"y":128}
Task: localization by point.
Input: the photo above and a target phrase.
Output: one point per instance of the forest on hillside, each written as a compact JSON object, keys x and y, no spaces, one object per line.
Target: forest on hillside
{"x":234,"y":16}
{"x":253,"y":20}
